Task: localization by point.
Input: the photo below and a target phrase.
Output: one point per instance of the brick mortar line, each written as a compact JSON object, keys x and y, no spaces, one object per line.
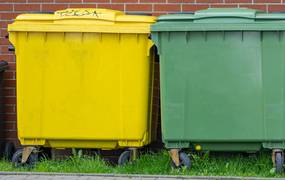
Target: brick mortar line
{"x":10,"y":106}
{"x":9,"y":79}
{"x":12,"y":3}
{"x":73,"y":3}
{"x":193,"y":3}
{"x":118,"y":3}
{"x":10,"y":113}
{"x":5,"y":46}
{"x":14,"y":95}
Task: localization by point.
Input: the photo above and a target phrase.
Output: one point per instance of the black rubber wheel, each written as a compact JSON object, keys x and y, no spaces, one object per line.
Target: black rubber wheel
{"x":184,"y":161}
{"x":279,"y":161}
{"x":17,"y":158}
{"x":9,"y":150}
{"x":124,"y":158}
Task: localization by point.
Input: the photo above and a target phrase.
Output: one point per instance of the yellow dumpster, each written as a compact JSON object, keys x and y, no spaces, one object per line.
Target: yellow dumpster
{"x":84,"y":80}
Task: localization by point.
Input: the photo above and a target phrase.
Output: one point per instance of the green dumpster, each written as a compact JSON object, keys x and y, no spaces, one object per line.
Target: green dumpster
{"x":222,"y":81}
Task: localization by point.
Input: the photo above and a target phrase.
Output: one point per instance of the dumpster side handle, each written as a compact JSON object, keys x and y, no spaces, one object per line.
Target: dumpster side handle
{"x":10,"y":47}
{"x":149,"y":46}
{"x":3,"y":65}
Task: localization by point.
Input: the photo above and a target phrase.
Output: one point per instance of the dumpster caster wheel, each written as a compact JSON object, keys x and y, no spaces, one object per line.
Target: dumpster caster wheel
{"x":279,"y":161}
{"x":17,"y":159}
{"x":9,"y":150}
{"x":184,"y":161}
{"x":124,"y":158}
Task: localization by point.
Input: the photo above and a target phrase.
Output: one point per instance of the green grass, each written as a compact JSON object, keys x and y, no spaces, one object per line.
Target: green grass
{"x":158,"y":163}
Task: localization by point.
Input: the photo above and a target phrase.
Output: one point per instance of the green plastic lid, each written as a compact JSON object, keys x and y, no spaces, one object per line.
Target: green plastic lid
{"x":213,"y":13}
{"x":224,"y":19}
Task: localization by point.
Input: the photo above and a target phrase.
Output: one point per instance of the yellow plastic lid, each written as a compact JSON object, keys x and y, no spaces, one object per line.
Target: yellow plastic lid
{"x":83,"y":20}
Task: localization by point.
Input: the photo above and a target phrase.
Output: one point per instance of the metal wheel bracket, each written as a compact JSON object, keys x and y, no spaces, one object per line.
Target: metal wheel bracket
{"x":274,"y":151}
{"x":174,"y":154}
{"x":27,"y":151}
{"x":134,"y":153}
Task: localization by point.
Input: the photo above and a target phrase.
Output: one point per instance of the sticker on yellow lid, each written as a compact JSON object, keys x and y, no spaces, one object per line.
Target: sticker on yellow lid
{"x":78,"y":12}
{"x":90,"y":12}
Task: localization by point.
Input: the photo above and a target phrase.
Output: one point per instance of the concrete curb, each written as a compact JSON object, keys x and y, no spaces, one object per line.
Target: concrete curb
{"x":130,"y":176}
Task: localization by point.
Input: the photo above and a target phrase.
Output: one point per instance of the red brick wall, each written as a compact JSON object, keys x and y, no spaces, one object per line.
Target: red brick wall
{"x":9,"y":9}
